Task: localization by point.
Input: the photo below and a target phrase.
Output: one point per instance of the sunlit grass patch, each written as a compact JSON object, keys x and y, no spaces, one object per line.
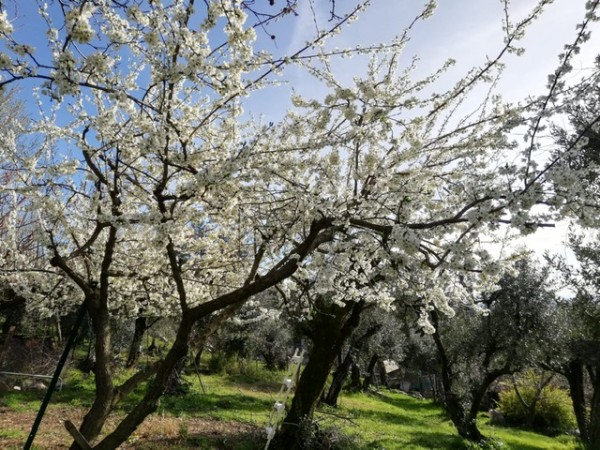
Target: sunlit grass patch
{"x":235,"y":407}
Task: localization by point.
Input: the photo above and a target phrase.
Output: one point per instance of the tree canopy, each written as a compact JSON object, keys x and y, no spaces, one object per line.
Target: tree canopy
{"x":152,"y":190}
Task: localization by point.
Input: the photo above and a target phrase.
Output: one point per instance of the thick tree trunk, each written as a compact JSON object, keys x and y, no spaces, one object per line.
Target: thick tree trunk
{"x":574,"y":374}
{"x":135,"y":349}
{"x":355,"y":378}
{"x":477,"y":395}
{"x":594,"y":423}
{"x":340,"y":375}
{"x":96,"y":416}
{"x":330,"y":328}
{"x":155,"y":390}
{"x":382,"y":374}
{"x":465,"y":423}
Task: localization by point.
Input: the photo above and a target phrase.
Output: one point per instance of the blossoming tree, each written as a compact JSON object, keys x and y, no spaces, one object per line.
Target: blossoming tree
{"x":153,"y":191}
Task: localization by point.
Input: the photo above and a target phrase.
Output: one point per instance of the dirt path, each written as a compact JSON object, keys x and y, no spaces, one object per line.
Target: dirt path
{"x":155,"y":433}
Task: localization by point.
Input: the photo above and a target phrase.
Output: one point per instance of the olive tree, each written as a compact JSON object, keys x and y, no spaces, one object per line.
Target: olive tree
{"x":577,"y":339}
{"x":474,"y":349}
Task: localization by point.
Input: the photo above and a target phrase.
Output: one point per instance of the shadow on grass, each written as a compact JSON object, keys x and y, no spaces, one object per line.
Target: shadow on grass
{"x":432,"y":440}
{"x":410,"y":410}
{"x":243,"y":441}
{"x":423,"y":440}
{"x":80,"y":393}
{"x":390,"y":418}
{"x":412,"y":405}
{"x":255,"y":383}
{"x":197,"y":404}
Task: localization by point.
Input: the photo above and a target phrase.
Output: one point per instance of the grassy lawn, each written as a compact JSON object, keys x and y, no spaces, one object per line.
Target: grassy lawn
{"x":229,"y":412}
{"x":397,"y":421}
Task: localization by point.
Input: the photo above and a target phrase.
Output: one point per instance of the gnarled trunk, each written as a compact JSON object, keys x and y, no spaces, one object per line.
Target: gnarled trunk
{"x":368,"y":381}
{"x":329,"y":329}
{"x":464,"y":420}
{"x":355,"y":378}
{"x":574,"y":374}
{"x":383,"y":378}
{"x":594,"y":423}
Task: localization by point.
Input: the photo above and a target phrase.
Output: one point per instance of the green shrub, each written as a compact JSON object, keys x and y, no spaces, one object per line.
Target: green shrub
{"x":219,"y":362}
{"x":553,"y":411}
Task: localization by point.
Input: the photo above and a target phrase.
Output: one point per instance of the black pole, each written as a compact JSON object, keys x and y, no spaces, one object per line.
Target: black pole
{"x":55,"y":377}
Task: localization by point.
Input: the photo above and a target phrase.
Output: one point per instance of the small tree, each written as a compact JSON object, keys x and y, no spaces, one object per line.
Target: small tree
{"x":474,"y":349}
{"x":534,"y":402}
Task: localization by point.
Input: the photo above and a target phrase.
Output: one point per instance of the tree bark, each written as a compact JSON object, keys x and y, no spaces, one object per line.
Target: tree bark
{"x":339,"y":376}
{"x":96,"y":416}
{"x":477,"y":395}
{"x":320,"y":231}
{"x":594,"y":423}
{"x":355,"y":378}
{"x":382,"y":373}
{"x":368,"y":381}
{"x":330,"y":328}
{"x":135,"y":349}
{"x":464,"y":421}
{"x":155,"y":390}
{"x":575,"y":376}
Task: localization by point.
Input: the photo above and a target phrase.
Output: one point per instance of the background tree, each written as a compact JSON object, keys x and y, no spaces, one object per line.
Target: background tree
{"x":578,"y":339}
{"x":14,"y":228}
{"x":579,"y":144}
{"x":377,"y":335}
{"x":475,"y":349}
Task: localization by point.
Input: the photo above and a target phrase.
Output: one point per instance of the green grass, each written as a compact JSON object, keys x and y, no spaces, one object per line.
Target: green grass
{"x":388,"y":420}
{"x":11,"y":434}
{"x":397,"y":421}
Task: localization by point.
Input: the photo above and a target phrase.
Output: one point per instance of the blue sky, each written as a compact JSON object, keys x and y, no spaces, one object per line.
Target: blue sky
{"x":466,"y":30}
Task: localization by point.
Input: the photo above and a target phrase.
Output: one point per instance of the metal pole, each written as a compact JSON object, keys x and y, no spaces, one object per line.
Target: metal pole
{"x":55,"y":377}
